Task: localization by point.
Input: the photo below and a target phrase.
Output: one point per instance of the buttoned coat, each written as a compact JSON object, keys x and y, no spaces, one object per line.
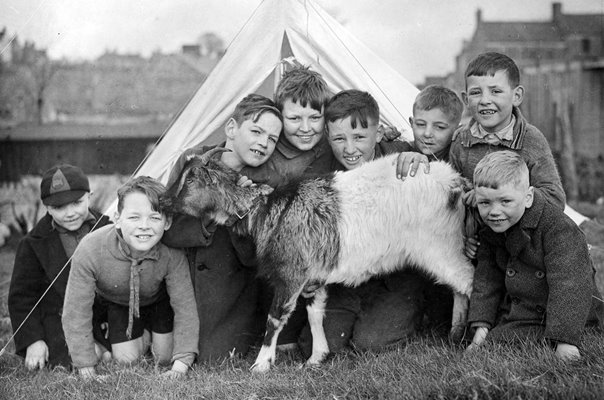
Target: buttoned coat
{"x":535,"y":278}
{"x":40,"y":257}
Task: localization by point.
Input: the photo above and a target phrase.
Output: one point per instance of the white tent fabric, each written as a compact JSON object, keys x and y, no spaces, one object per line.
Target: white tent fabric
{"x":254,"y":59}
{"x":252,"y":64}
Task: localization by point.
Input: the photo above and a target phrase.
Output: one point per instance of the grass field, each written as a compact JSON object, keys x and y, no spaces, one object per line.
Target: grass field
{"x":424,"y":368}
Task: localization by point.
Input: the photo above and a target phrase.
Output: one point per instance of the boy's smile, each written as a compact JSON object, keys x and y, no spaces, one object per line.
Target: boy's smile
{"x":491,"y":100}
{"x":71,"y":216}
{"x":302,"y":126}
{"x":502,"y":208}
{"x":141,"y":226}
{"x":353,"y":147}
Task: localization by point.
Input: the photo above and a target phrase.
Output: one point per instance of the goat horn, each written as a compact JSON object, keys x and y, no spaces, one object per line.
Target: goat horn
{"x":205,"y":158}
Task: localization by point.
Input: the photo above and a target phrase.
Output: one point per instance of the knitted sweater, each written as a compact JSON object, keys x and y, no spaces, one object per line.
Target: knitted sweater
{"x":101,"y":264}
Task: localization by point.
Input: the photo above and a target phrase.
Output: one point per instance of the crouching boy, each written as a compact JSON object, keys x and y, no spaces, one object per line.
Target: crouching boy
{"x":42,"y":262}
{"x":141,"y":283}
{"x":534,"y":277}
{"x":386,"y":309}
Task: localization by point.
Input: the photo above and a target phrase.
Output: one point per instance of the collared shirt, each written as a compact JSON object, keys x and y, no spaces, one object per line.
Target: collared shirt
{"x":504,"y":135}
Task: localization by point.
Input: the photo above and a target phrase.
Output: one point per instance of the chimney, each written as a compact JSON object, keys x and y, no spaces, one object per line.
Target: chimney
{"x":478,"y":16}
{"x":556,"y":11}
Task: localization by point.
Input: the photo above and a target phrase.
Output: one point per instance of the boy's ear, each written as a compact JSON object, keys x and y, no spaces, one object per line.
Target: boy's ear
{"x":518,"y":95}
{"x":530,"y":196}
{"x":464,"y":98}
{"x":116,"y":218}
{"x":411,"y":121}
{"x":168,"y":222}
{"x":230,"y":128}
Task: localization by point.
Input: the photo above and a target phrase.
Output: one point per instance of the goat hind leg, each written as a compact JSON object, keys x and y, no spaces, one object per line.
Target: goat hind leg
{"x":460,"y":317}
{"x":316,"y":312}
{"x":284,"y":302}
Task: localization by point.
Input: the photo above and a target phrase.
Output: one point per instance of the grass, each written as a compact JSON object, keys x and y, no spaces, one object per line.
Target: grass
{"x":425,"y":367}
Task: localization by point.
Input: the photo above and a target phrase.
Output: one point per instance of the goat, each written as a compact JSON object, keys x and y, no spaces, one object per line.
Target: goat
{"x":341,"y":228}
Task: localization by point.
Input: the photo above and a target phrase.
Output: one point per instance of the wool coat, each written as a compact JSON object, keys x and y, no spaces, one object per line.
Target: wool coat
{"x":536,"y":278}
{"x":39,"y":259}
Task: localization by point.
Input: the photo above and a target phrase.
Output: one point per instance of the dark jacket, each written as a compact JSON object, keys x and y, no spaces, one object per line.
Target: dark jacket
{"x":39,"y":259}
{"x":536,"y":277}
{"x":528,"y":142}
{"x":223,"y":270}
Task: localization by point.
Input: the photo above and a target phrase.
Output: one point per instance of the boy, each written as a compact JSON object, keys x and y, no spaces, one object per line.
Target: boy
{"x":140,"y":282}
{"x":534,"y":276}
{"x":493,"y":94}
{"x":222,"y":263}
{"x":42,"y":256}
{"x":383,"y":310}
{"x":303,"y":149}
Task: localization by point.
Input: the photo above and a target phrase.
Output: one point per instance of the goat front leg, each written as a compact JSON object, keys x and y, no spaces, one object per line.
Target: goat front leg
{"x":316,"y":312}
{"x":282,"y":307}
{"x":460,"y":317}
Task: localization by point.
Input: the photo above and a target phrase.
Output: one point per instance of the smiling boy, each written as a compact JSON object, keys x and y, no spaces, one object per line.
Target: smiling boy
{"x":383,"y":310}
{"x":141,"y":283}
{"x":43,"y":256}
{"x":222,"y":263}
{"x":534,"y":277}
{"x":493,"y":95}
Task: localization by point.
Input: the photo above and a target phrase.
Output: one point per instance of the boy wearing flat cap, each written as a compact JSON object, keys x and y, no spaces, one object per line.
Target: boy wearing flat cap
{"x":43,"y":260}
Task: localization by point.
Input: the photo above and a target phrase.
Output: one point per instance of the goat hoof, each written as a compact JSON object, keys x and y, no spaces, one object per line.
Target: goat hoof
{"x":259,"y":368}
{"x":315,"y":361}
{"x":457,"y":334}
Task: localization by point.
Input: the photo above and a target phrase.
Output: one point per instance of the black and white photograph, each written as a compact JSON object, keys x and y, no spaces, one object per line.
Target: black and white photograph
{"x":301,"y":199}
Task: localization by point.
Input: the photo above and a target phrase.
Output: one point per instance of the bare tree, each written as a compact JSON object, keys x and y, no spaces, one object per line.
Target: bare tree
{"x":211,"y":45}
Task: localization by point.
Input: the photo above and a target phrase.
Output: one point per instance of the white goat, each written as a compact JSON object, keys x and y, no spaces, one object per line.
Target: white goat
{"x":343,"y":228}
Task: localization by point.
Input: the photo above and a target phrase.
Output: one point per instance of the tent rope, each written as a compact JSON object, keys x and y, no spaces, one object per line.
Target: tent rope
{"x":42,"y":296}
{"x":359,"y":63}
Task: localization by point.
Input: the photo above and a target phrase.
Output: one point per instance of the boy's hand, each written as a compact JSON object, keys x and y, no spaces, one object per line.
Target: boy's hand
{"x":36,"y":355}
{"x":479,"y":337}
{"x":567,"y":352}
{"x":178,"y":371}
{"x":469,"y":198}
{"x":244,"y":181}
{"x":471,"y":247}
{"x":408,"y":162}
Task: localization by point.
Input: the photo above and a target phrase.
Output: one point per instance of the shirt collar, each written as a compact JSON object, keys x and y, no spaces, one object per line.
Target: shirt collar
{"x":152,"y":254}
{"x":506,"y":134}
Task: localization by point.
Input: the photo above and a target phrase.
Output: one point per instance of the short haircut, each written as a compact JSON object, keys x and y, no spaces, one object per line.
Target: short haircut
{"x":252,"y":107}
{"x":489,"y":63}
{"x":303,"y":86}
{"x":359,"y":106}
{"x":500,"y":168}
{"x":439,"y":97}
{"x":146,"y":185}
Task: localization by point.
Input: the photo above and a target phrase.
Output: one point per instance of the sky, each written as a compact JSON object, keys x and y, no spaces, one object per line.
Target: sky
{"x":417,"y":38}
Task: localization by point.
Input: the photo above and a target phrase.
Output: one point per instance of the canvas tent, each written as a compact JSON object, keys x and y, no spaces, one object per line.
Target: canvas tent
{"x":280,"y":32}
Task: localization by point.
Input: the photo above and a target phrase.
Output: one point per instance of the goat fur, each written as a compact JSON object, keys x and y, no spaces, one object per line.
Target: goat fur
{"x":341,"y":228}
